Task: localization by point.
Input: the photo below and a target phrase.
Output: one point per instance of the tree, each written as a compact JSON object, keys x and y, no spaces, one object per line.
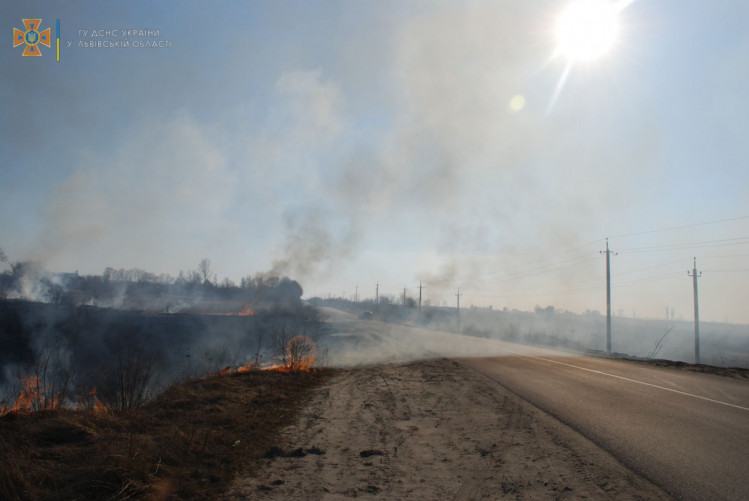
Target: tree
{"x":3,"y":256}
{"x":295,"y":353}
{"x":204,"y":268}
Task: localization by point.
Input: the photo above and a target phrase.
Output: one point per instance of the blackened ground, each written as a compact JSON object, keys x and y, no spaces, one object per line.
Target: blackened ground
{"x":187,"y":444}
{"x":90,"y":339}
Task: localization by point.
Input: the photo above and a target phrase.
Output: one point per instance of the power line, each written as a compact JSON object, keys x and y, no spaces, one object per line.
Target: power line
{"x":646,"y":280}
{"x":682,"y":227}
{"x":530,"y":266}
{"x":532,"y":272}
{"x":690,"y":245}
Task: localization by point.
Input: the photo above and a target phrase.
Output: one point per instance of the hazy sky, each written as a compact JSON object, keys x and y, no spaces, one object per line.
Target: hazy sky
{"x":346,"y":143}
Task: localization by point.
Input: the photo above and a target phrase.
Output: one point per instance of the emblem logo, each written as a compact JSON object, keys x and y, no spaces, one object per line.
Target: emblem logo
{"x":32,"y":37}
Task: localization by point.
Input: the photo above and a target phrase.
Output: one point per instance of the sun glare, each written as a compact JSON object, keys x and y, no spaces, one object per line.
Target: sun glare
{"x":587,"y":29}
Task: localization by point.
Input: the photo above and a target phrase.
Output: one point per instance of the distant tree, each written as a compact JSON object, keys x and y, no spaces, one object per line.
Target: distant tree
{"x":3,"y":256}
{"x":54,"y":293}
{"x":204,"y":268}
{"x":194,"y":278}
{"x":549,"y":310}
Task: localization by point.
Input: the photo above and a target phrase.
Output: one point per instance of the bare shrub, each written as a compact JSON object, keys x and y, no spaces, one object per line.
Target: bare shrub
{"x":219,"y":357}
{"x":294,"y":352}
{"x":301,"y":353}
{"x":279,"y":340}
{"x":43,"y":385}
{"x":129,"y":382}
{"x":258,"y":357}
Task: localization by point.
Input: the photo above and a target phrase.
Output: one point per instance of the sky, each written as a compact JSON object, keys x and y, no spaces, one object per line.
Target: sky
{"x":348,"y":144}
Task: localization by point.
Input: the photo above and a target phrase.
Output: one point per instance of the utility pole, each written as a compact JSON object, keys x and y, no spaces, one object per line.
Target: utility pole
{"x":608,"y":296}
{"x":458,"y":310}
{"x":420,"y":287}
{"x":377,"y":293}
{"x":356,"y":294}
{"x":694,"y":274}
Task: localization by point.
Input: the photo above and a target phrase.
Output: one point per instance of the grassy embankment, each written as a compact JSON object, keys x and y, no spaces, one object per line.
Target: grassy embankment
{"x":187,"y":444}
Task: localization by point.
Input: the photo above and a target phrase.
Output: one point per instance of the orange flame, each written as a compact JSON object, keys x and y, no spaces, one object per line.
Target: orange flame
{"x":98,"y":407}
{"x":33,"y":398}
{"x":246,"y":368}
{"x":246,"y":312}
{"x":300,"y":354}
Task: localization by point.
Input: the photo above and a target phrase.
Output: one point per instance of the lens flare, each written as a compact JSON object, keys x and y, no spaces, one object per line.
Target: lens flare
{"x":587,"y":29}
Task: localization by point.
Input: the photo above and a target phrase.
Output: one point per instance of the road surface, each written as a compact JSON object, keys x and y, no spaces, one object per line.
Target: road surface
{"x":685,"y":431}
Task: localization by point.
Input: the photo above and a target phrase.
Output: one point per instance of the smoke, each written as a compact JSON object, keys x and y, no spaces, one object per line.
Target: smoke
{"x":166,"y":182}
{"x":383,"y":150}
{"x":457,"y":171}
{"x":311,"y":247}
{"x":410,"y":335}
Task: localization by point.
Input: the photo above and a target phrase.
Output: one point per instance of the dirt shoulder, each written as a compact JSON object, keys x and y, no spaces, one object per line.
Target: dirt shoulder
{"x":432,"y":429}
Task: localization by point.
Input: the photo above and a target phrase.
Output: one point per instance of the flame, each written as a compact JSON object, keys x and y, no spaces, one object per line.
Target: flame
{"x":32,"y":398}
{"x":223,"y":372}
{"x":246,"y":312}
{"x":98,"y":407}
{"x":301,"y":353}
{"x":235,"y":370}
{"x":247,"y":368}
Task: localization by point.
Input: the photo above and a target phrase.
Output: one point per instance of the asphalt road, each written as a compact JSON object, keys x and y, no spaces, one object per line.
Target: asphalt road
{"x":687,"y":432}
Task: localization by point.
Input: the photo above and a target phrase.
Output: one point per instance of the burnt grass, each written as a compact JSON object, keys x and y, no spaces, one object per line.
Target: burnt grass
{"x":188,"y":443}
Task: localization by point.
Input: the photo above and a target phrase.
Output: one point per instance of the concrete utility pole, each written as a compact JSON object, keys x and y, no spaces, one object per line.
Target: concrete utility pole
{"x":377,"y":293}
{"x":356,"y":294}
{"x":608,"y":296}
{"x":694,"y":274}
{"x":404,"y":295}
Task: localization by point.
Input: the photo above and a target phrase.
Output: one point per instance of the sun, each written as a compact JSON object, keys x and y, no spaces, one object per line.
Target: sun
{"x":587,"y":29}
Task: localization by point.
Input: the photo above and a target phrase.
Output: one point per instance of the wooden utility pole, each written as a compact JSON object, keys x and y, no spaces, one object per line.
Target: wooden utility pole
{"x":377,"y":293}
{"x":420,"y":287}
{"x":694,"y":274}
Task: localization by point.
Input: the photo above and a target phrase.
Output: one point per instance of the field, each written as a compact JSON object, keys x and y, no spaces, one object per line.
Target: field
{"x":186,"y":444}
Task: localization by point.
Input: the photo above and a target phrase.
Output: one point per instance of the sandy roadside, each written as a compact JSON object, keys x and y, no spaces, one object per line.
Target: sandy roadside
{"x":433,"y":430}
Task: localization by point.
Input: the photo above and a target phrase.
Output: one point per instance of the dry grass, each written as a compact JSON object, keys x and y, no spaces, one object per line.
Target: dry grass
{"x":187,"y":444}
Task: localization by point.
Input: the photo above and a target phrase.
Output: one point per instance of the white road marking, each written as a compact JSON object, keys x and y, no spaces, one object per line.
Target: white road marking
{"x":632,"y":380}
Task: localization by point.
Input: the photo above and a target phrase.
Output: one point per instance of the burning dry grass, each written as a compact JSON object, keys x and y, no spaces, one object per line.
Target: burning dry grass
{"x":186,"y":444}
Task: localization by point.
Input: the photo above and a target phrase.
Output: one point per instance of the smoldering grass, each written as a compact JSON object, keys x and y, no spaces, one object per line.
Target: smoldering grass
{"x":187,"y":443}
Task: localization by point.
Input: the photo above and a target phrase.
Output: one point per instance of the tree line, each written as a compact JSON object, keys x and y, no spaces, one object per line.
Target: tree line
{"x":29,"y":280}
